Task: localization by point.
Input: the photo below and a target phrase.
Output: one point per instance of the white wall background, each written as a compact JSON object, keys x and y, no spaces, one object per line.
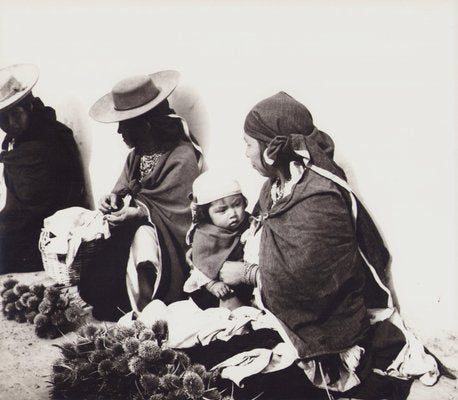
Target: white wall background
{"x":379,"y":76}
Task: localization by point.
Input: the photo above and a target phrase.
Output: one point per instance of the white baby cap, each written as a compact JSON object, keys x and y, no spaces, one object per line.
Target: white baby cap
{"x":211,"y":186}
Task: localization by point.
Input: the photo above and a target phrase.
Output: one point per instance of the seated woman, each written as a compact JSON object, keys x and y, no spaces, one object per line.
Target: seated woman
{"x":320,"y":260}
{"x":42,"y":169}
{"x":148,"y":208}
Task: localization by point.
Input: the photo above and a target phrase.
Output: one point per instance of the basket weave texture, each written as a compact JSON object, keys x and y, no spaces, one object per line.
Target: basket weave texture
{"x":55,"y":266}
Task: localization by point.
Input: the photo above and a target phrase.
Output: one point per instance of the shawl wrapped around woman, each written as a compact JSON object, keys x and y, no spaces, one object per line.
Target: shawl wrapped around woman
{"x":164,"y":192}
{"x":313,"y":276}
{"x":43,"y":174}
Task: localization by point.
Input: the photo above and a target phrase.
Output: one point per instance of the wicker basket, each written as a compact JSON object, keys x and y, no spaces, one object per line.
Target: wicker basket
{"x":55,"y":266}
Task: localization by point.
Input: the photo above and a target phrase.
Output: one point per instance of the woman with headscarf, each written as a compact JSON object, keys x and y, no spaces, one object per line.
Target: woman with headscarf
{"x":322,"y":262}
{"x":148,"y":209}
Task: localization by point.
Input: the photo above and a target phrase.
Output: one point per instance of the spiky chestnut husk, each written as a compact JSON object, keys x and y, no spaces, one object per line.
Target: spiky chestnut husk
{"x":60,"y":366}
{"x":137,"y":365}
{"x":10,"y":307}
{"x":25,"y":297}
{"x":193,"y":385}
{"x":38,"y":290}
{"x":30,"y":316}
{"x":68,"y":350}
{"x":60,"y":379}
{"x":149,"y":350}
{"x":45,"y":307}
{"x":9,"y":296}
{"x":20,"y":317}
{"x":72,"y":314}
{"x":33,"y":302}
{"x":52,"y":332}
{"x":146,"y":334}
{"x":41,"y":320}
{"x":62,"y":302}
{"x":130,"y":345}
{"x":105,"y":368}
{"x":117,"y":349}
{"x":122,"y":332}
{"x":160,"y":329}
{"x":20,"y":289}
{"x":121,"y":365}
{"x":10,"y":283}
{"x":90,"y":331}
{"x":139,"y":326}
{"x":168,"y":356}
{"x":150,"y":383}
{"x":98,"y":356}
{"x":52,"y":293}
{"x":183,"y":359}
{"x":170,"y":382}
{"x":58,"y":318}
{"x":84,"y":345}
{"x":11,"y":315}
{"x":19,"y":306}
{"x":99,"y":343}
{"x":41,"y":332}
{"x":199,"y":369}
{"x":84,"y":368}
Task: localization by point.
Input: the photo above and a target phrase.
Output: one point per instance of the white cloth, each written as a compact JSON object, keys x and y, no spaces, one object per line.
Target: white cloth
{"x":70,"y":227}
{"x":145,"y":247}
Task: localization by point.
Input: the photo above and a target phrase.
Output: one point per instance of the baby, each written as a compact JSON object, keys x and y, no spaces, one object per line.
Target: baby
{"x":219,"y":219}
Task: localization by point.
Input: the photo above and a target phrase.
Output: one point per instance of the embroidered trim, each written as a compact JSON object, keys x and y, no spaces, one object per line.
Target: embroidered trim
{"x":147,"y":164}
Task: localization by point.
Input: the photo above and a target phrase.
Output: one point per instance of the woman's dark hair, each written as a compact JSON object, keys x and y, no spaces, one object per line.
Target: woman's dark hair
{"x":282,"y":161}
{"x":167,"y":131}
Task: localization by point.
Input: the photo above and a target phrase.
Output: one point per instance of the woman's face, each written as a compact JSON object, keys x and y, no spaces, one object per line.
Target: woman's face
{"x":136,"y":134}
{"x":15,"y":121}
{"x":254,"y":153}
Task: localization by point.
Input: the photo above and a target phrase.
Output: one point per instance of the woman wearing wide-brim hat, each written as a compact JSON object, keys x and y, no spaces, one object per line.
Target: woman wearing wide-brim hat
{"x":148,"y":209}
{"x":41,"y":168}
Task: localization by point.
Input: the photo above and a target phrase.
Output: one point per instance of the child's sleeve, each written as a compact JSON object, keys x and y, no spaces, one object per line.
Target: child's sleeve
{"x":196,"y":280}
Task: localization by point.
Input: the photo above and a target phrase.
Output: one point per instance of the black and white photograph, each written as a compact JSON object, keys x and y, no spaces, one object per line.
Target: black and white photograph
{"x":229,"y":200}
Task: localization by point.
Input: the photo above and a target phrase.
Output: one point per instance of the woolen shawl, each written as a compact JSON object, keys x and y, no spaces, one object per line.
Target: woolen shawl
{"x":313,"y":277}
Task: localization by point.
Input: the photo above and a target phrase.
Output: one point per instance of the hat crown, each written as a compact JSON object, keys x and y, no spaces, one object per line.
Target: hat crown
{"x":9,"y":86}
{"x":211,"y":186}
{"x":134,"y":92}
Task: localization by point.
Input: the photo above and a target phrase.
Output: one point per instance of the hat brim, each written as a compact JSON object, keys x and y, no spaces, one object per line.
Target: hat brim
{"x":27,"y":75}
{"x":104,"y":111}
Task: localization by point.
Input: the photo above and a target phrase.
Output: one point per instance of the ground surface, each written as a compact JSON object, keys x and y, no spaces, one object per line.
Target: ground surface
{"x":26,"y":360}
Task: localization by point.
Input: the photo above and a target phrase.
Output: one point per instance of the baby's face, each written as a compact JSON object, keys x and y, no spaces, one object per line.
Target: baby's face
{"x":227,"y":212}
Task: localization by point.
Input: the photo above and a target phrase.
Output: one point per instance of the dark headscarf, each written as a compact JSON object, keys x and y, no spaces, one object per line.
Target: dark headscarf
{"x":284,"y":125}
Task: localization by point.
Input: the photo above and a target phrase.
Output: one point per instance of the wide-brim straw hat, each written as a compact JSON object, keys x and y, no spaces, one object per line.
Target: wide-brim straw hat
{"x":16,"y":82}
{"x":134,"y":96}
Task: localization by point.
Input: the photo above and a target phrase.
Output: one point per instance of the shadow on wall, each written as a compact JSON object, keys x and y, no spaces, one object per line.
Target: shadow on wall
{"x":187,"y":104}
{"x":72,"y":113}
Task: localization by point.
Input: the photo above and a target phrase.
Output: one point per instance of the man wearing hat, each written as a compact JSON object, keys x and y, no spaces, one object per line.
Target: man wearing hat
{"x":41,"y":168}
{"x":148,"y":209}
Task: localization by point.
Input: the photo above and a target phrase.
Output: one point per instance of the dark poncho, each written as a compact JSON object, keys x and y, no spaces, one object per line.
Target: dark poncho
{"x":164,"y":191}
{"x":212,"y":246}
{"x":43,"y":174}
{"x":313,"y":277}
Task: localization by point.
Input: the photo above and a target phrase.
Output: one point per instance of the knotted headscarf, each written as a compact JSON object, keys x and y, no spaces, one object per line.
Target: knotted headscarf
{"x":286,"y":128}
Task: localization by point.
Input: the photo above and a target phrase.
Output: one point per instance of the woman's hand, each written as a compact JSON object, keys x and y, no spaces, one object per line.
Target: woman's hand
{"x":232,"y":272}
{"x":126,"y":214}
{"x":109,"y":203}
{"x":218,"y":289}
